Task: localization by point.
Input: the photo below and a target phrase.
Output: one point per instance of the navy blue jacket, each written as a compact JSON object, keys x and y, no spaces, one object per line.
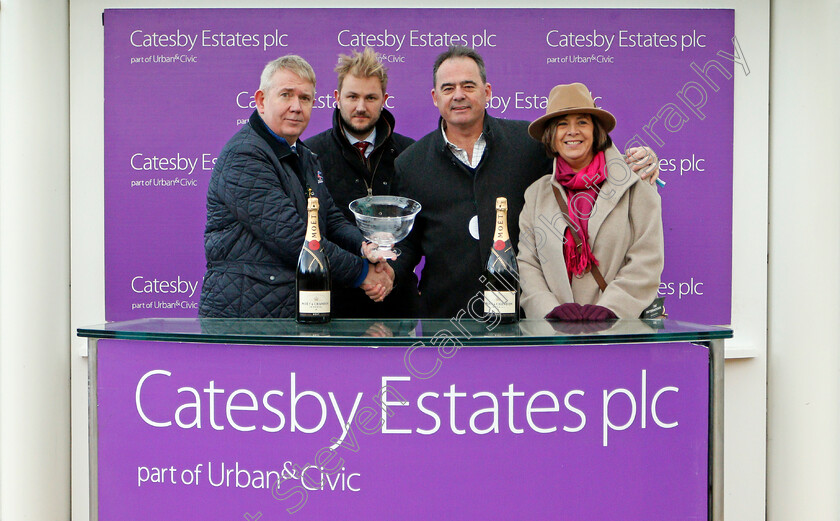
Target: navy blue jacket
{"x":256,"y":210}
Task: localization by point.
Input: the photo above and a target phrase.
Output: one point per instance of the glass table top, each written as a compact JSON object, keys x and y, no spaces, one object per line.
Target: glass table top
{"x":404,"y":332}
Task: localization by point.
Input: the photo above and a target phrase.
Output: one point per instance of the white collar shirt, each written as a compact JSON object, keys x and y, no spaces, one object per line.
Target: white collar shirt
{"x":371,"y":139}
{"x":460,"y":153}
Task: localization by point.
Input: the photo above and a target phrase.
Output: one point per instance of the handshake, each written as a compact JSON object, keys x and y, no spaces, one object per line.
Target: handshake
{"x":380,"y":278}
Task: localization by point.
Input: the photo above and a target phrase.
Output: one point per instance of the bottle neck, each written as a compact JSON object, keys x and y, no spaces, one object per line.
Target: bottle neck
{"x":313,"y":232}
{"x":501,"y":230}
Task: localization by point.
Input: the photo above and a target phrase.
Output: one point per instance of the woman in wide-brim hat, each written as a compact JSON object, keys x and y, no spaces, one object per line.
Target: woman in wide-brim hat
{"x":617,"y":218}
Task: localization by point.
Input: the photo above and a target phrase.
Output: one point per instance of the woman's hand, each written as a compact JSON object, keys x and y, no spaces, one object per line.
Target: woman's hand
{"x":572,"y":312}
{"x":568,"y":312}
{"x":596,"y":313}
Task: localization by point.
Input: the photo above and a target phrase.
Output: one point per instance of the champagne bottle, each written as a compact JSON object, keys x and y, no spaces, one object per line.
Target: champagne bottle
{"x":501,"y":275}
{"x":312,"y":279}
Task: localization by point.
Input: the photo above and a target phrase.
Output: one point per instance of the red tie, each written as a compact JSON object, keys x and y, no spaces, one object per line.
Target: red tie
{"x":361,"y":146}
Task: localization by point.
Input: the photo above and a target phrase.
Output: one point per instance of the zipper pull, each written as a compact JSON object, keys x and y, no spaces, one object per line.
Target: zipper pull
{"x":370,"y":192}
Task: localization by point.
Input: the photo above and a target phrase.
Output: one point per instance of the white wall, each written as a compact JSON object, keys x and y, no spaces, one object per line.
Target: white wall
{"x":34,"y":261}
{"x":804,"y":327}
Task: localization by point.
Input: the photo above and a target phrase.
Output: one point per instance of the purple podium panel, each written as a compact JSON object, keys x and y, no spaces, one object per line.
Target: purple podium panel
{"x":227,"y":432}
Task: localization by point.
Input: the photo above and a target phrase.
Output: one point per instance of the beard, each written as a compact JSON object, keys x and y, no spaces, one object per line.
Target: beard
{"x":360,"y":130}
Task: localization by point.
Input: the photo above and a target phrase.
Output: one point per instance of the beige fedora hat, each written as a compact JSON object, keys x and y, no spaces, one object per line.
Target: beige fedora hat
{"x":570,"y":99}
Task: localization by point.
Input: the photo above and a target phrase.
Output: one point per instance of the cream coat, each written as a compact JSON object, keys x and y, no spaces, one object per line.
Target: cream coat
{"x":625,"y":233}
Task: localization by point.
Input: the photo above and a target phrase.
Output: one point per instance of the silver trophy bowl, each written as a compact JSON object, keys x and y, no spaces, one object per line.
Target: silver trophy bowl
{"x":385,"y":220}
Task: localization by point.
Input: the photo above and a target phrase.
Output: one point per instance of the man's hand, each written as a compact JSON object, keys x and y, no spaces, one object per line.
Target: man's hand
{"x":372,"y":254}
{"x":379,"y":281}
{"x":644,"y":162}
{"x":378,"y":329}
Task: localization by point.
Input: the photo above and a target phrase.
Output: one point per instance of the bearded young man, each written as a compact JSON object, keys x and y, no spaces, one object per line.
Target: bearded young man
{"x":358,"y":155}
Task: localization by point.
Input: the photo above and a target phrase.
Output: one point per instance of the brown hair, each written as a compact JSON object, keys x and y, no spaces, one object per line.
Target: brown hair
{"x":600,"y":138}
{"x":459,"y":51}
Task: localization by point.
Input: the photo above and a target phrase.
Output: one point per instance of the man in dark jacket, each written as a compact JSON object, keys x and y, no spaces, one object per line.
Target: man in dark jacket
{"x":357,"y":155}
{"x":256,"y":208}
{"x":456,"y":172}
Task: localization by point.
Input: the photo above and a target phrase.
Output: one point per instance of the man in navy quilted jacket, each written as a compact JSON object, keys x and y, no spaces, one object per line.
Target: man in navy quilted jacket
{"x":256,"y":208}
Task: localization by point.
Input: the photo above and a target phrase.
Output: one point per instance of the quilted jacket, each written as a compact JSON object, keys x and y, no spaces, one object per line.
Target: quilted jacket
{"x":256,"y":209}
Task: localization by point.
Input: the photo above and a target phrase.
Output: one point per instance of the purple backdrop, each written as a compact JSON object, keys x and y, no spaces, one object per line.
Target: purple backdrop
{"x":655,"y":468}
{"x":179,"y":82}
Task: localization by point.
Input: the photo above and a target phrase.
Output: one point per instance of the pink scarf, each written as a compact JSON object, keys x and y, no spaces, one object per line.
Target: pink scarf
{"x":582,"y":190}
